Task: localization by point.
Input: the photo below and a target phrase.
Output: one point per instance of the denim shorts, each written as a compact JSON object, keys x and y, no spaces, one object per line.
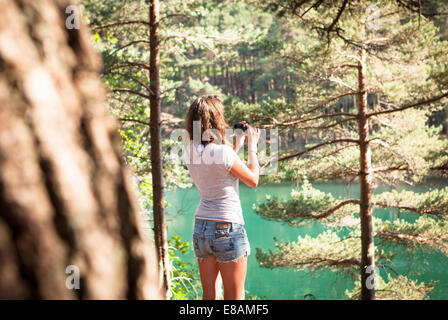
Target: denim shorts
{"x":226,"y":244}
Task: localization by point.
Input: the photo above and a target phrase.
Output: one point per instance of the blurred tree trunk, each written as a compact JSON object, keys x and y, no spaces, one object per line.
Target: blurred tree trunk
{"x":66,"y":198}
{"x":160,"y":234}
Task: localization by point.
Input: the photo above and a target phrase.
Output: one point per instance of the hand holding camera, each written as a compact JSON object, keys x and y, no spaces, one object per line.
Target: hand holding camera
{"x":250,"y":134}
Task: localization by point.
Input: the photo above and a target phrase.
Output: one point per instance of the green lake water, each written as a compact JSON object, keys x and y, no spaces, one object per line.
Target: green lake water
{"x":286,"y":283}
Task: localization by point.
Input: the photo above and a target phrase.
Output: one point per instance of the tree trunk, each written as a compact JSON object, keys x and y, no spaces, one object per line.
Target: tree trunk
{"x":160,"y":233}
{"x":367,"y":243}
{"x":67,"y":206}
{"x":228,"y":79}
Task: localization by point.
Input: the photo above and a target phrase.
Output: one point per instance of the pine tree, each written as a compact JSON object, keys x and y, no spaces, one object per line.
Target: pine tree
{"x":390,"y":60}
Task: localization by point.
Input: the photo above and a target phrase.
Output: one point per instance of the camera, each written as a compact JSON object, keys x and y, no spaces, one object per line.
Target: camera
{"x":241,"y":126}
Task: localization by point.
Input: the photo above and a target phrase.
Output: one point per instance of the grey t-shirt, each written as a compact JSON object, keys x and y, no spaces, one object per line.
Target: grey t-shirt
{"x":209,"y":168}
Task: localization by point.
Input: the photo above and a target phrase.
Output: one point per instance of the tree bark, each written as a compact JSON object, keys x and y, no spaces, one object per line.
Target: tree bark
{"x":367,"y":243}
{"x":160,"y":233}
{"x":66,"y":198}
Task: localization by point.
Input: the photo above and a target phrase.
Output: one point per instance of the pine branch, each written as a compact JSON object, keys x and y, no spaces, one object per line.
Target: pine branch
{"x":130,"y":44}
{"x":331,"y":99}
{"x":401,"y":237}
{"x":399,"y":167}
{"x":399,"y":287}
{"x":443,"y":167}
{"x":334,"y":124}
{"x":121,"y":23}
{"x":306,"y":204}
{"x":403,"y":167}
{"x":132,"y":64}
{"x":326,"y":250}
{"x":322,"y":116}
{"x":338,"y":16}
{"x":319,"y":106}
{"x":299,"y":154}
{"x":329,"y":212}
{"x":322,"y":262}
{"x":407,"y":208}
{"x":314,"y":6}
{"x":178,"y":15}
{"x":128,"y":76}
{"x":134,"y":120}
{"x":424,"y":231}
{"x":342,"y":83}
{"x":344,"y":65}
{"x":413,"y":105}
{"x":433,"y":202}
{"x":189,"y":37}
{"x":131,"y":92}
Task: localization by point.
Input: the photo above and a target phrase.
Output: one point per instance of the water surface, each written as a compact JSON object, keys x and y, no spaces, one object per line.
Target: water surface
{"x":286,"y":283}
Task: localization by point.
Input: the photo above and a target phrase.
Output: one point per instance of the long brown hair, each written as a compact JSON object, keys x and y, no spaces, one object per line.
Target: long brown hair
{"x":209,"y":110}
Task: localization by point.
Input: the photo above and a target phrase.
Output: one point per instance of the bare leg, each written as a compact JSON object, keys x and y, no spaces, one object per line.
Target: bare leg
{"x":208,"y":270}
{"x":233,"y":277}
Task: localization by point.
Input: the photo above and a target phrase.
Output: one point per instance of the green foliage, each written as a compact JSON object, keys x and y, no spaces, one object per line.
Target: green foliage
{"x":326,"y":250}
{"x":184,"y":282}
{"x":192,"y":89}
{"x":135,"y":147}
{"x":405,"y":141}
{"x":331,"y":251}
{"x":236,"y":110}
{"x":146,"y":194}
{"x":425,"y":232}
{"x":398,"y":288}
{"x":434,"y":202}
{"x":306,"y":203}
{"x":175,"y":172}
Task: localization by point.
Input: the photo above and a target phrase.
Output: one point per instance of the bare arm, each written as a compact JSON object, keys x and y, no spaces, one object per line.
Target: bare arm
{"x":249,"y":174}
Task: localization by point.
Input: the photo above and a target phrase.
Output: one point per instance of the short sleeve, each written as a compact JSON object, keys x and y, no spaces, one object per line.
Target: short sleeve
{"x":229,"y":157}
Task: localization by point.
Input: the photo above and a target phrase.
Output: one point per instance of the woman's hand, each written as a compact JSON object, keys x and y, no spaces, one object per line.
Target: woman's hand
{"x":240,"y":136}
{"x":249,"y":174}
{"x":253,"y":135}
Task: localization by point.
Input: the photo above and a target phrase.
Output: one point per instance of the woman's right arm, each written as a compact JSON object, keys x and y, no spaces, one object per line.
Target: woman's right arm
{"x":249,"y":174}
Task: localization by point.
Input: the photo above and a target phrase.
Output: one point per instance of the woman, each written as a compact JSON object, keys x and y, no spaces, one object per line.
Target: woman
{"x":220,"y":240}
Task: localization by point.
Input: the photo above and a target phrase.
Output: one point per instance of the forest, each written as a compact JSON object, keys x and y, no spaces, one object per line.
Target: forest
{"x":352,"y":95}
